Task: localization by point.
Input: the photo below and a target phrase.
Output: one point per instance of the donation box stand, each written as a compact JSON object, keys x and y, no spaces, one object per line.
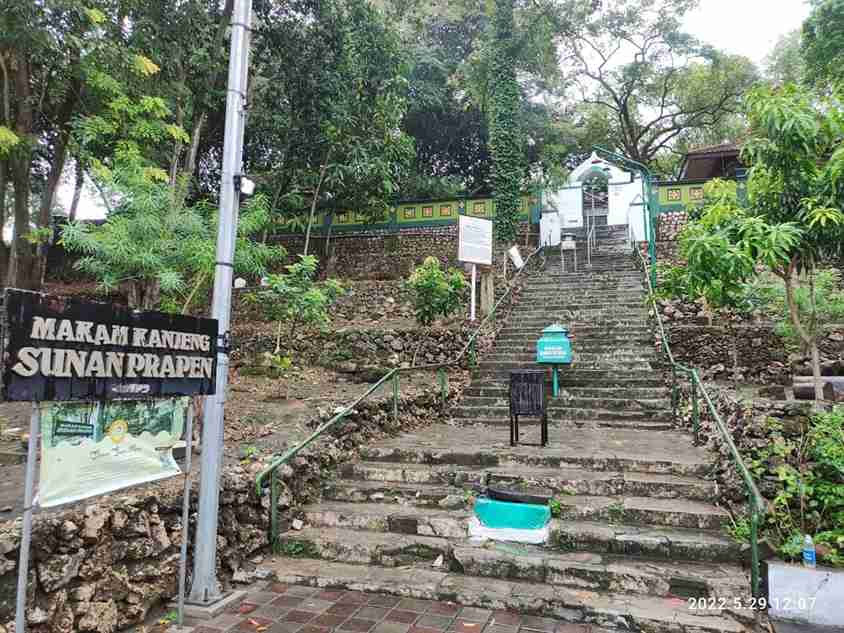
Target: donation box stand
{"x":554,"y":348}
{"x":527,"y":397}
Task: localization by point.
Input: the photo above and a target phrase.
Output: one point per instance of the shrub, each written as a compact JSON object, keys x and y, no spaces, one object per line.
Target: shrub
{"x":295,"y":299}
{"x":809,"y":495}
{"x":437,"y":293}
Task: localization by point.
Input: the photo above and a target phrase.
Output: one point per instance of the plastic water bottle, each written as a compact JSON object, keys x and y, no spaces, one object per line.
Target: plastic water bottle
{"x":809,"y":556}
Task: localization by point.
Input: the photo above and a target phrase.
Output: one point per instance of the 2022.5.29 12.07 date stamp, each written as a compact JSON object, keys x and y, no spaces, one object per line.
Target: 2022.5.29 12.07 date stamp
{"x":712,"y":603}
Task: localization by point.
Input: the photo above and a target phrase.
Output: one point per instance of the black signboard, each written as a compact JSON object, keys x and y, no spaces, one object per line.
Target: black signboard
{"x":69,"y":349}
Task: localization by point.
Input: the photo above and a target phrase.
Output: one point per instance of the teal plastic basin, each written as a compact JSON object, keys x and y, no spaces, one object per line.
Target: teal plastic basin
{"x":518,"y":516}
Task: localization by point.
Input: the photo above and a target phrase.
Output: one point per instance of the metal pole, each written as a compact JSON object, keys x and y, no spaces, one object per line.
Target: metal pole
{"x":26,"y":534}
{"x":206,"y":589}
{"x":474,"y":283}
{"x":183,"y":554}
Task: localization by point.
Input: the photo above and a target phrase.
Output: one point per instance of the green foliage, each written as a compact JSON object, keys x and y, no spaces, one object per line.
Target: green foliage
{"x":739,"y":529}
{"x":825,"y":303}
{"x":615,"y":512}
{"x":556,"y":508}
{"x":155,"y":247}
{"x":437,"y":293}
{"x":505,"y":141}
{"x":296,"y":548}
{"x":809,"y":496}
{"x":296,"y":299}
{"x":823,"y":43}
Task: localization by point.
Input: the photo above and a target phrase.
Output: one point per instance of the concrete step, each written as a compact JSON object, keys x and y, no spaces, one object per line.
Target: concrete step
{"x":677,"y":544}
{"x":585,"y":378}
{"x":680,"y":513}
{"x":562,"y":425}
{"x":602,"y":572}
{"x":663,"y":452}
{"x":598,"y":609}
{"x":450,"y":486}
{"x":591,"y":571}
{"x":414,"y":494}
{"x":502,"y":391}
{"x":503,"y":368}
{"x":361,"y":522}
{"x":516,"y":335}
{"x":567,"y":401}
{"x":581,"y":355}
{"x":560,"y":411}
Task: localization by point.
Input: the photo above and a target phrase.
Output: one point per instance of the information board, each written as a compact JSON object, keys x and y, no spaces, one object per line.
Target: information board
{"x":70,"y":349}
{"x":474,"y":240}
{"x":88,"y":449}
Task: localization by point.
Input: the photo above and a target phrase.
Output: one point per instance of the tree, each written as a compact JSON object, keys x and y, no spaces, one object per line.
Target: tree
{"x":149,"y":247}
{"x":437,"y":293}
{"x":785,"y":63}
{"x":793,"y":220}
{"x":823,"y":44}
{"x":295,"y":299}
{"x":505,"y":142}
{"x":331,"y":98}
{"x":658,"y":83}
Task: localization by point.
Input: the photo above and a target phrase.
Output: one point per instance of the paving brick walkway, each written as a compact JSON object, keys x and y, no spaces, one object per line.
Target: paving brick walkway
{"x":279,"y":608}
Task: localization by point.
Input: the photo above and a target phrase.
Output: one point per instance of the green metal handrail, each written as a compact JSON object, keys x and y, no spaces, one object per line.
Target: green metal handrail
{"x":469,"y":348}
{"x":758,"y":507}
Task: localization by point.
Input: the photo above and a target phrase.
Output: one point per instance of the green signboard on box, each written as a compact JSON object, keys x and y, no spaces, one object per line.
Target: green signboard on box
{"x":554,"y":347}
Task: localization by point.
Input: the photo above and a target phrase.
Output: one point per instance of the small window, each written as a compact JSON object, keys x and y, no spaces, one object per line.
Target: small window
{"x":675,"y":195}
{"x":344,"y":218}
{"x":445,"y":211}
{"x":479,"y":208}
{"x":409,"y":213}
{"x":427,"y":212}
{"x":696,"y":193}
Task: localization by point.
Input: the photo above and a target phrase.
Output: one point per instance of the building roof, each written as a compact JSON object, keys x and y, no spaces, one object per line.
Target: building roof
{"x":713,"y":161}
{"x":723,"y":148}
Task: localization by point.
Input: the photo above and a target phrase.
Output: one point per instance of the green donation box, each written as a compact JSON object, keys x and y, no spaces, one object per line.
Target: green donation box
{"x":554,"y":348}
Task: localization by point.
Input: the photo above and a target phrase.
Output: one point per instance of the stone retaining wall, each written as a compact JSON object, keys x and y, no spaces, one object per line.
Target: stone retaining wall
{"x":382,"y":255}
{"x":669,"y":225}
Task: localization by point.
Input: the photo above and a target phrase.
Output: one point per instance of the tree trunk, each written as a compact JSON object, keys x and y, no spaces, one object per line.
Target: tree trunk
{"x":143,"y":294}
{"x":807,"y":338}
{"x":323,"y":168}
{"x":77,"y":191}
{"x":48,"y":198}
{"x":4,"y":250}
{"x":20,"y":262}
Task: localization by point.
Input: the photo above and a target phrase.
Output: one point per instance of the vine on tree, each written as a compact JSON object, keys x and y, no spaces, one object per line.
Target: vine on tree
{"x":505,"y":147}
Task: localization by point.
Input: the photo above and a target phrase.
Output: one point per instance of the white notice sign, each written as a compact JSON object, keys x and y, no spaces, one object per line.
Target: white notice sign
{"x":475,"y":241}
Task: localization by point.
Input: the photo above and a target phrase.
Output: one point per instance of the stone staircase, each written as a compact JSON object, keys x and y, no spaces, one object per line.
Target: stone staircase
{"x":635,"y":535}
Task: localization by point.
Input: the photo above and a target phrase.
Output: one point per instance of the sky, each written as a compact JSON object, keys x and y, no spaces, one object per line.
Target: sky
{"x":746,"y":27}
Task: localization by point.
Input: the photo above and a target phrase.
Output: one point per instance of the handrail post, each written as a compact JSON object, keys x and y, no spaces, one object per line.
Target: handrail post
{"x":674,"y":393}
{"x":754,"y":547}
{"x":695,"y":409}
{"x":274,"y":512}
{"x":396,"y":397}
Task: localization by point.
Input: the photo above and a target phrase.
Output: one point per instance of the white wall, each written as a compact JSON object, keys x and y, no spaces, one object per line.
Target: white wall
{"x":813,"y":596}
{"x":568,"y":203}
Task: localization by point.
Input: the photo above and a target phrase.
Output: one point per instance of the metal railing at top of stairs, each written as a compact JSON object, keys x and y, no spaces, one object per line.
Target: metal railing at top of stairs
{"x":271,"y":471}
{"x":757,"y":505}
